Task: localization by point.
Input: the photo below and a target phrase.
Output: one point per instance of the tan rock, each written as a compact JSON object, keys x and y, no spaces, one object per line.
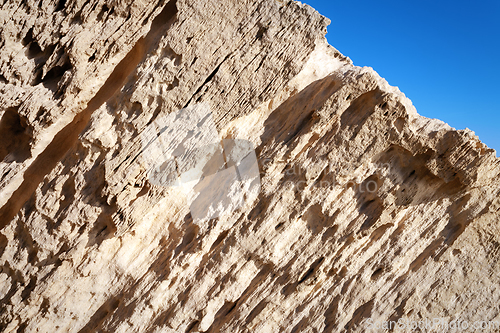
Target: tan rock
{"x":365,"y":211}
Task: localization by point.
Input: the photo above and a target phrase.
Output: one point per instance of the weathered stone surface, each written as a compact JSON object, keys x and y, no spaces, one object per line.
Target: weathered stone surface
{"x":366,"y":210}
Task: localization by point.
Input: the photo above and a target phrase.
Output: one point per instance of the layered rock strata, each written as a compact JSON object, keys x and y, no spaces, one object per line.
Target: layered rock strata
{"x":364,"y":212}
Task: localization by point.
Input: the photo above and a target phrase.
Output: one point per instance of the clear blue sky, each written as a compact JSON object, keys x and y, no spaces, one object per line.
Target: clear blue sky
{"x":444,"y":55}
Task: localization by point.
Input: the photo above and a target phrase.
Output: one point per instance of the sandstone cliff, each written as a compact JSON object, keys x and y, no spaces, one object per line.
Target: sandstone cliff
{"x":364,"y":210}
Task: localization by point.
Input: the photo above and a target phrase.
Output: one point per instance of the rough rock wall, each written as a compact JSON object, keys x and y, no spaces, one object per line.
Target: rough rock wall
{"x":366,"y":209}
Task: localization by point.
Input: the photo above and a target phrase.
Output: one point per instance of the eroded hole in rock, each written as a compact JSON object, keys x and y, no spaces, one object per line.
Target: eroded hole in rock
{"x":104,"y":11}
{"x":22,"y":327}
{"x":60,"y":5}
{"x":376,"y":274}
{"x":372,"y":210}
{"x":260,"y":33}
{"x":329,"y":233}
{"x":15,"y":137}
{"x":169,"y":53}
{"x":134,"y":110}
{"x":29,"y":288}
{"x":312,"y":269}
{"x":175,"y":83}
{"x":77,"y":19}
{"x":190,"y":235}
{"x":192,"y":326}
{"x":34,"y":50}
{"x":3,"y":244}
{"x":219,"y":239}
{"x":315,"y":219}
{"x":399,"y":124}
{"x":104,"y":228}
{"x":52,"y":79}
{"x":411,"y":177}
{"x":28,"y":38}
{"x":43,"y":117}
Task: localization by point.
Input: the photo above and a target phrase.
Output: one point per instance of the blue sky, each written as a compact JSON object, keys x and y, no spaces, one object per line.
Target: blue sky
{"x":444,"y":55}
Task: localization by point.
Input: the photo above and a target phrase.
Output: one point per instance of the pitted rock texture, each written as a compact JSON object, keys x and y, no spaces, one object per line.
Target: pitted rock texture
{"x":367,"y":211}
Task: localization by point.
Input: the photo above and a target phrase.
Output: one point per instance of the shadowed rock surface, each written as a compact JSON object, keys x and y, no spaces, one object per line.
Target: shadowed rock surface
{"x":366,"y":210}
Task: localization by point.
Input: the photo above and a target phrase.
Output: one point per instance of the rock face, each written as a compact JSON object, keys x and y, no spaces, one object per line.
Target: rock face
{"x":364,"y":211}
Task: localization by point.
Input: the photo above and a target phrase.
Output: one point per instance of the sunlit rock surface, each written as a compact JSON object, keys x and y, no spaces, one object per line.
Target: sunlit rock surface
{"x":361,"y":211}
